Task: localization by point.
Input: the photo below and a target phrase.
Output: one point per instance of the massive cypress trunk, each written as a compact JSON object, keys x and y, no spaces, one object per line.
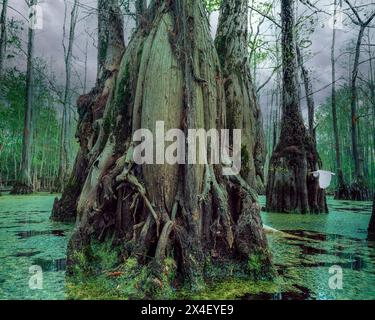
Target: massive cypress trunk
{"x":371,"y":228}
{"x":243,"y":111}
{"x":24,"y":184}
{"x":189,"y":213}
{"x":291,"y":185}
{"x":90,"y":129}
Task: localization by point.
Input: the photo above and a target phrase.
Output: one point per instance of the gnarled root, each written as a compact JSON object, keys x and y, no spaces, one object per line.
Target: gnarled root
{"x":152,"y":234}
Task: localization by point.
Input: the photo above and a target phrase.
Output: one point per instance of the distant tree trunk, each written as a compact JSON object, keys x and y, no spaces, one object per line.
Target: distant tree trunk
{"x":357,"y":165}
{"x":91,"y":108}
{"x":191,"y":214}
{"x":358,"y":190}
{"x":4,"y":37}
{"x":342,"y":189}
{"x":24,"y":184}
{"x":45,"y":141}
{"x":371,"y":228}
{"x":291,"y":185}
{"x":65,"y":123}
{"x":243,"y":111}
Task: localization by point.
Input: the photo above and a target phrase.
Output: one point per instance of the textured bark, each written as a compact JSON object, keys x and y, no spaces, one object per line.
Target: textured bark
{"x":65,"y":209}
{"x":243,"y":111}
{"x":4,"y":37}
{"x":24,"y":185}
{"x":90,"y":130}
{"x":291,"y":185}
{"x":170,"y":72}
{"x":110,"y":36}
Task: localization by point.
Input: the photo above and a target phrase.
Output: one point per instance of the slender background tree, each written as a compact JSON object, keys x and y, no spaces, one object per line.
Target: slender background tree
{"x":24,"y":183}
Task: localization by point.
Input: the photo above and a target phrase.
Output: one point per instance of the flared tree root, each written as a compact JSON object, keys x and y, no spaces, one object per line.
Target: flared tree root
{"x":231,"y":230}
{"x":359,"y":191}
{"x":190,"y":214}
{"x":22,"y":189}
{"x":292,"y":188}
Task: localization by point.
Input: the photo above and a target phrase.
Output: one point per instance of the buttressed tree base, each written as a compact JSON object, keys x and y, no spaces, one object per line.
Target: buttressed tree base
{"x":191,"y":214}
{"x":291,"y":184}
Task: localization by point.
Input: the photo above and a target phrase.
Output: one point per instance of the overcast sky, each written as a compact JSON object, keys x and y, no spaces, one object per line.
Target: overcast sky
{"x":49,"y":41}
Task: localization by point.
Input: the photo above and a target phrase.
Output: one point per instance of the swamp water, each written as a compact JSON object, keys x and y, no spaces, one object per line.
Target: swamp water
{"x":28,"y":238}
{"x":303,"y":256}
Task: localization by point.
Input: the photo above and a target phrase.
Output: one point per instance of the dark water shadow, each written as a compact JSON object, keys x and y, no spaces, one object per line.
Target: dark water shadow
{"x":33,"y":233}
{"x":26,"y":254}
{"x":20,"y":221}
{"x":308,"y":250}
{"x":354,"y":260}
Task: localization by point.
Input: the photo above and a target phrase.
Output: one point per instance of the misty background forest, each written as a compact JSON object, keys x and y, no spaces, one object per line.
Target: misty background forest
{"x":79,"y":77}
